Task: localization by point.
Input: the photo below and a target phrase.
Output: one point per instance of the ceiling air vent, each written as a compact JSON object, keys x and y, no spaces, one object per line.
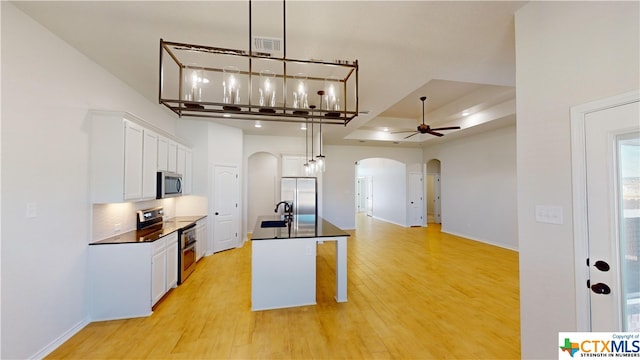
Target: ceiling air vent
{"x":267,"y":46}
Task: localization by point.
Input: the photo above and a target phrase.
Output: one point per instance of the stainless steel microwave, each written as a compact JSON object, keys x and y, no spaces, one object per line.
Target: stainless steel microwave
{"x":169,"y":184}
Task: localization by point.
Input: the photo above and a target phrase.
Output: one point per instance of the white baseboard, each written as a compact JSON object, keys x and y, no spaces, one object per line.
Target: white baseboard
{"x":61,"y":339}
{"x":480,"y":240}
{"x":389,"y":221}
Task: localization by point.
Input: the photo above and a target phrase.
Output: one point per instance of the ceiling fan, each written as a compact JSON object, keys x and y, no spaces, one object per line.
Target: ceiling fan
{"x":426,"y":129}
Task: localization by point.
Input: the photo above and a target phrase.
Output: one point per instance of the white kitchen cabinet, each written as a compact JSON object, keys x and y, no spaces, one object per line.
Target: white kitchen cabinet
{"x":163,"y":153}
{"x":188,"y":172}
{"x":158,"y":270}
{"x":127,"y":279}
{"x":133,"y":148}
{"x":116,"y":158}
{"x":125,"y":156}
{"x":172,"y":261}
{"x":184,"y":163}
{"x":293,"y":165}
{"x":149,"y":164}
{"x":164,"y":273}
{"x":201,"y":235}
{"x":172,"y":156}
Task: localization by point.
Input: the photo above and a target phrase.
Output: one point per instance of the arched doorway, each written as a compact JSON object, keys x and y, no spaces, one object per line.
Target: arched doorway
{"x":381,"y":189}
{"x":262,"y":186}
{"x":434,"y":215}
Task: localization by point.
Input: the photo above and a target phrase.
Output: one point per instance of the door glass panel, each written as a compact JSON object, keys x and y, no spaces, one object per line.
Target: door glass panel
{"x":629,"y":225}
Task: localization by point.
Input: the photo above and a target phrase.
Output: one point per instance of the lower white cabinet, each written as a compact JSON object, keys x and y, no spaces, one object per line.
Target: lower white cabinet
{"x":126,"y":280}
{"x":201,"y":235}
{"x":164,"y":266}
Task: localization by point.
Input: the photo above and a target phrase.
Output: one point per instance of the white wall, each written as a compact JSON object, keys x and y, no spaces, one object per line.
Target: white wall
{"x":567,"y":53}
{"x":213,"y":144}
{"x":47,"y":89}
{"x":339,"y":178}
{"x":478,"y":186}
{"x":389,"y":188}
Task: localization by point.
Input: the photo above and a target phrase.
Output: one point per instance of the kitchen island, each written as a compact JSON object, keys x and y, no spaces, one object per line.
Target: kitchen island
{"x":283,"y":263}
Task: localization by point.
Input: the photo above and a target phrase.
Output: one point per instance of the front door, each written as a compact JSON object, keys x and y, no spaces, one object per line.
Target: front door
{"x":225,"y":207}
{"x":612,"y":191}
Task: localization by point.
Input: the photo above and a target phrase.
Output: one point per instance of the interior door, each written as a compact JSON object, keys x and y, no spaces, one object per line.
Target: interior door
{"x":612,"y":148}
{"x":416,"y":204}
{"x":225,"y":206}
{"x":437,"y":218}
{"x":360,"y":203}
{"x":369,"y":195}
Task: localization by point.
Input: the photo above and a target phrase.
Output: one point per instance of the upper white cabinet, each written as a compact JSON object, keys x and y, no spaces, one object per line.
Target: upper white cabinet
{"x":184,"y":163}
{"x":125,"y":156}
{"x":149,"y":164}
{"x":172,"y":156}
{"x":163,"y":153}
{"x":133,"y":156}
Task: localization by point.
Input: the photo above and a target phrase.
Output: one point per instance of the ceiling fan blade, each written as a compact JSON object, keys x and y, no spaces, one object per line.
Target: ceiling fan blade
{"x":447,"y":128}
{"x":400,"y":132}
{"x":415,"y":133}
{"x":434,"y":133}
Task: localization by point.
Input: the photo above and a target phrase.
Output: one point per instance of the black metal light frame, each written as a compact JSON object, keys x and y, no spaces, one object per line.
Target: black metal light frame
{"x":175,"y":60}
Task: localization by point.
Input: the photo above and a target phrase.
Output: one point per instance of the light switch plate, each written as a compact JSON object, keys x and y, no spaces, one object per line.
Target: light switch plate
{"x":550,"y":214}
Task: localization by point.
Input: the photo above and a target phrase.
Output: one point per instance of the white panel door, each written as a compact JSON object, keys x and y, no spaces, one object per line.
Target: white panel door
{"x":225,"y":206}
{"x":437,"y":202}
{"x":369,"y":196}
{"x":416,"y":203}
{"x":613,"y":259}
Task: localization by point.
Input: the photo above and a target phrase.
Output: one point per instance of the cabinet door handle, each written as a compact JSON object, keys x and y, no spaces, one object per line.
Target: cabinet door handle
{"x":217,"y":213}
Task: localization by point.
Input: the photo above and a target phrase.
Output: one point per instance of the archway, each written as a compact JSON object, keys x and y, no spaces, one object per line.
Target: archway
{"x":381,"y":189}
{"x":433,"y":184}
{"x":262,"y":186}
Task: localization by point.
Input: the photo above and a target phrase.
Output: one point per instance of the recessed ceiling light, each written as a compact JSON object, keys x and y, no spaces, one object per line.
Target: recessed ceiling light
{"x":258,"y":124}
{"x":303,"y":126}
{"x":226,"y":115}
{"x":466,"y":113}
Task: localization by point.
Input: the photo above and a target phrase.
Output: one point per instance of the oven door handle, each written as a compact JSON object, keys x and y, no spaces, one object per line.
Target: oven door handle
{"x":191,"y":246}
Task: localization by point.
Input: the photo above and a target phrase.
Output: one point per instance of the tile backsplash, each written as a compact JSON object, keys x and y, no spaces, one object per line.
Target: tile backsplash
{"x":113,"y":219}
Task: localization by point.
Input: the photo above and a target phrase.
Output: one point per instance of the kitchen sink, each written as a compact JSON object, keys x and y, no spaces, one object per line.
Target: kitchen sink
{"x":273,"y":223}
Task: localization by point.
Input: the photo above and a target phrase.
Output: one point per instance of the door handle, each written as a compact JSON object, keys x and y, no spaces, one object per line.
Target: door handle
{"x":601,"y":288}
{"x":602,"y":265}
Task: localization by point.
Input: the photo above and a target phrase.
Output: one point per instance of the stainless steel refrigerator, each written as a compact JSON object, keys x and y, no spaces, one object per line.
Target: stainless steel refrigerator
{"x":303,"y":192}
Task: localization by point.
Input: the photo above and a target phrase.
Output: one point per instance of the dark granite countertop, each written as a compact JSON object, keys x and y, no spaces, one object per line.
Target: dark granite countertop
{"x":303,"y":226}
{"x":145,"y":236}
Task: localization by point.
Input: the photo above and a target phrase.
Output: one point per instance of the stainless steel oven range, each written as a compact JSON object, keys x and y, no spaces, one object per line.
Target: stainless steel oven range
{"x":186,"y":252}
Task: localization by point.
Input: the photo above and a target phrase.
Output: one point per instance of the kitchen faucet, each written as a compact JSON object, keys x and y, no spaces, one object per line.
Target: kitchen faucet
{"x":288,"y":209}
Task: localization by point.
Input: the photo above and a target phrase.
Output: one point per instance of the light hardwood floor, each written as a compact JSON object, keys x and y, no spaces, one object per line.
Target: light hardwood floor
{"x":414,"y":293}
